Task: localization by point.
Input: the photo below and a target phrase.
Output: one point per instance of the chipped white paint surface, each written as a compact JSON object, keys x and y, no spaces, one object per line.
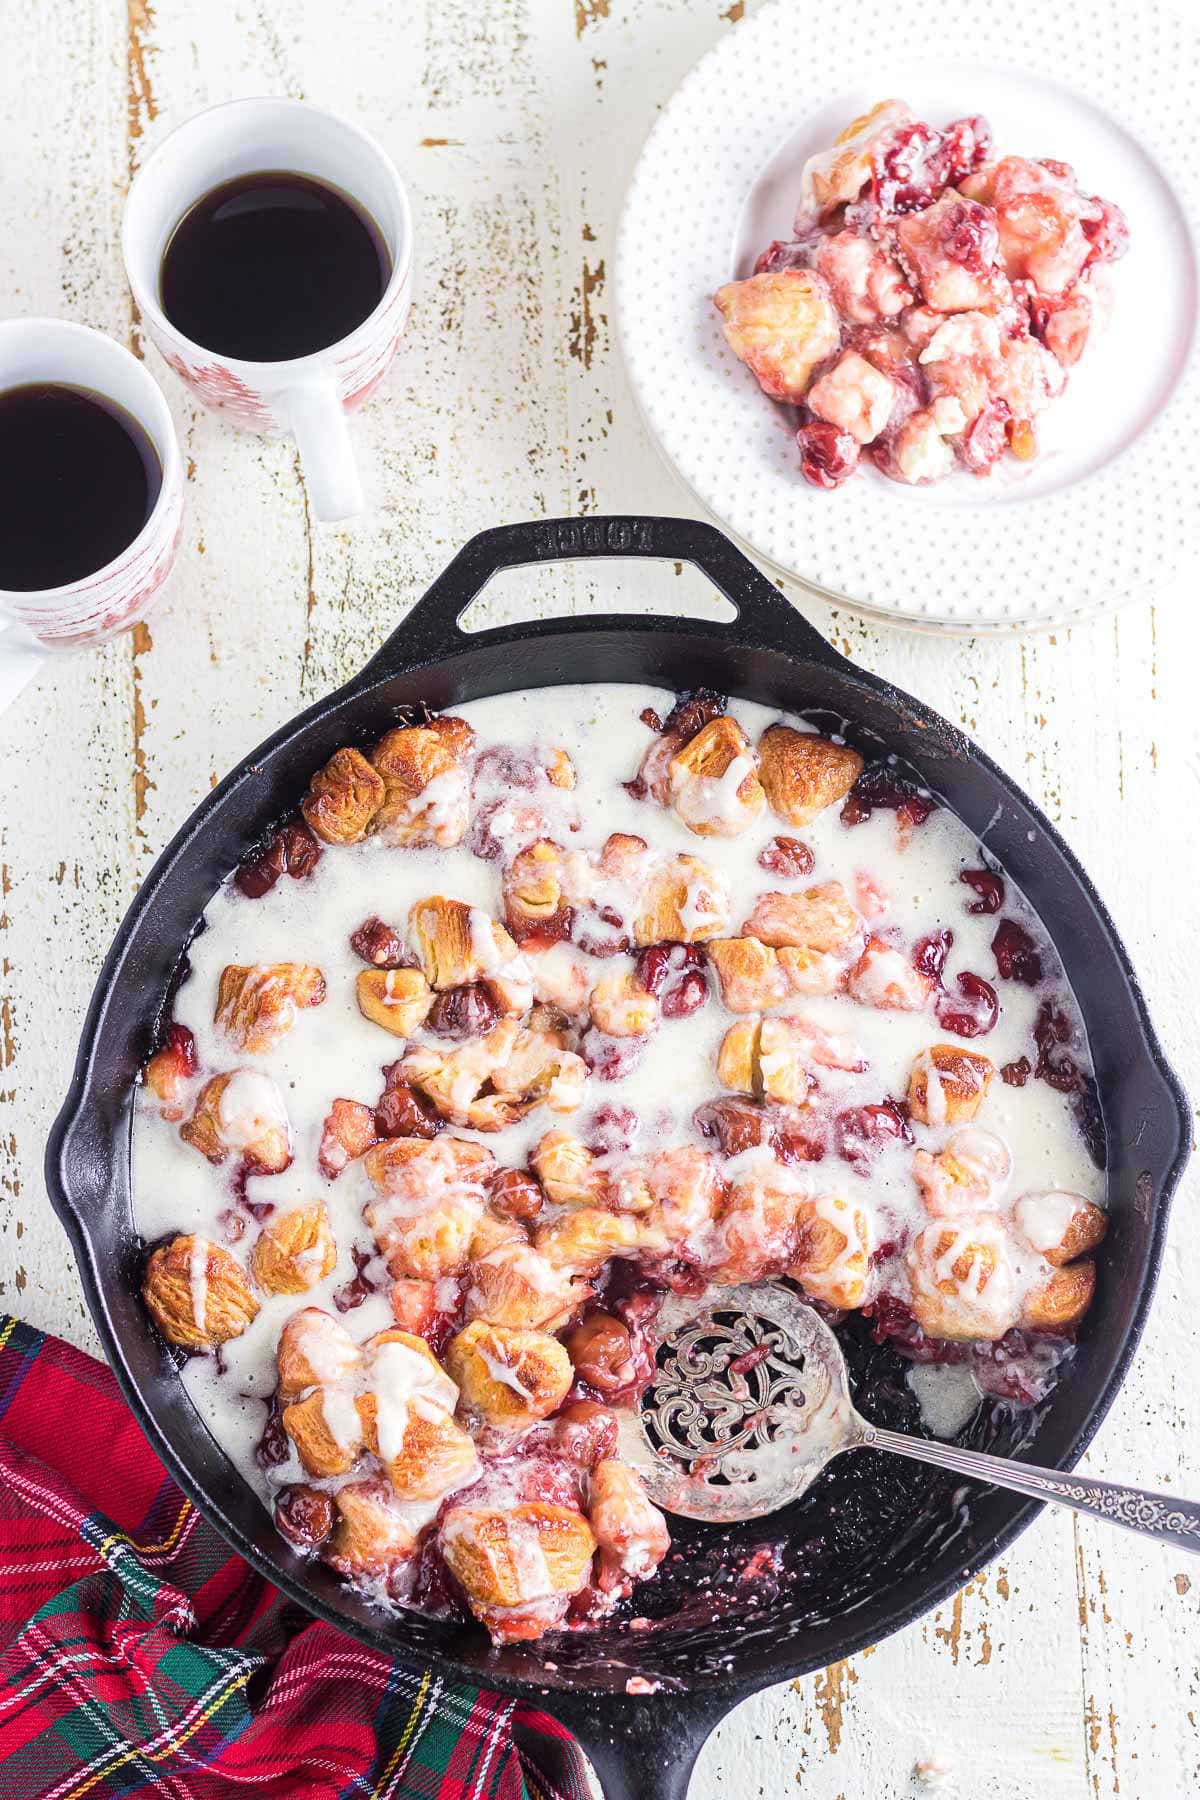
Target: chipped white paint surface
{"x":1070,"y":1673}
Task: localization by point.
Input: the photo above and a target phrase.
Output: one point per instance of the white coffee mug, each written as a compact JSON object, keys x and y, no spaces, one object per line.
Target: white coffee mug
{"x":112,"y":598}
{"x":309,"y":395}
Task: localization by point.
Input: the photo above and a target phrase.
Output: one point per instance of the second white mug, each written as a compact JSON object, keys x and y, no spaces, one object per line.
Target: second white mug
{"x":309,"y":396}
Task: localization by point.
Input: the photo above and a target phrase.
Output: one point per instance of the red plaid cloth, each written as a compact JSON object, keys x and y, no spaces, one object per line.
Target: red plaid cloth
{"x":140,"y":1656}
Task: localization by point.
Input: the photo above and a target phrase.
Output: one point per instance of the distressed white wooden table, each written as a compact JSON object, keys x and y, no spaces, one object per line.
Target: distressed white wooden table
{"x":1072,"y":1669}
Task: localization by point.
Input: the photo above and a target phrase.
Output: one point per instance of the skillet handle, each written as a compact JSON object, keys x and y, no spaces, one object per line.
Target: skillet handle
{"x":644,"y":1747}
{"x":431,"y":630}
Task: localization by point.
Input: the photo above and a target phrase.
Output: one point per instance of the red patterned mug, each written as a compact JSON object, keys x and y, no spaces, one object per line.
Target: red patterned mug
{"x":109,"y":599}
{"x":309,"y":396}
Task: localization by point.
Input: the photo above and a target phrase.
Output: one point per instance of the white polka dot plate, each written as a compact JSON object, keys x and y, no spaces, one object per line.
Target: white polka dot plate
{"x":1109,"y":511}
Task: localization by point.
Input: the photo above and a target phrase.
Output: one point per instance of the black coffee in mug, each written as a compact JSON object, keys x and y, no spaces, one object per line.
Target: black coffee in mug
{"x":271,"y":266}
{"x":79,"y":477}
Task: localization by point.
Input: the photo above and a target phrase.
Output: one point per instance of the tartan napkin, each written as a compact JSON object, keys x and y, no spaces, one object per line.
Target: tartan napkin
{"x":138,"y":1655}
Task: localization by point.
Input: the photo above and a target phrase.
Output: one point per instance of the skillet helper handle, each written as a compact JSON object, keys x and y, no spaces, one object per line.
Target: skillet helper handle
{"x":432,"y":630}
{"x":642,"y":1747}
{"x":1162,"y":1516}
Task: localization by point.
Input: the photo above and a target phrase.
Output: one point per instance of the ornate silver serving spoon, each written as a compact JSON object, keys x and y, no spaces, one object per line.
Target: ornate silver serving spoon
{"x":751,"y":1400}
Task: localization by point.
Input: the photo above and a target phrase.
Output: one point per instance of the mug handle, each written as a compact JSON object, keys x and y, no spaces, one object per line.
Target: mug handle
{"x":322,"y":431}
{"x":20,"y":659}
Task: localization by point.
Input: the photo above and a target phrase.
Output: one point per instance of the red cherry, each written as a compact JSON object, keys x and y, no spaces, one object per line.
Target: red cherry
{"x":1017,"y":956}
{"x":861,"y":1131}
{"x":989,"y":887}
{"x":930,"y":953}
{"x":974,"y":1013}
{"x":827,"y":456}
{"x":787,"y":857}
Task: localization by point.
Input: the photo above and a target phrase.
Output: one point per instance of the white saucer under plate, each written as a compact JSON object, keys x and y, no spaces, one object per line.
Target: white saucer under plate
{"x":1110,"y":511}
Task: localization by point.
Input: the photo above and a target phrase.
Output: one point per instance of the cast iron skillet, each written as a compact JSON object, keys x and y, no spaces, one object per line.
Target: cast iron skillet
{"x":873,"y":1546}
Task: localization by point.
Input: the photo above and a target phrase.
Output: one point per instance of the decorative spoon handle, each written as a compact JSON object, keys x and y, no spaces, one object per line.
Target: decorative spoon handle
{"x":1159,"y":1516}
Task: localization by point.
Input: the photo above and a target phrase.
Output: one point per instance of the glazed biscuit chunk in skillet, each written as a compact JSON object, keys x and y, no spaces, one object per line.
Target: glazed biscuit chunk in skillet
{"x":515,"y":1285}
{"x":834,"y":1247}
{"x":427,"y":1201}
{"x":295,"y":1250}
{"x":631,"y":1534}
{"x":426,"y":779}
{"x":375,"y":1539}
{"x":803,"y":773}
{"x":520,"y":1568}
{"x":197,"y":1294}
{"x":713,"y":781}
{"x":683,"y":900}
{"x":170,"y":1071}
{"x":257,"y":1006}
{"x":1059,"y":1226}
{"x":961,"y":1279}
{"x":241,"y":1113}
{"x":947,"y":1085}
{"x":343,"y":798}
{"x":968,"y":1174}
{"x":399,"y":1000}
{"x":491,"y":1082}
{"x":510,"y":1378}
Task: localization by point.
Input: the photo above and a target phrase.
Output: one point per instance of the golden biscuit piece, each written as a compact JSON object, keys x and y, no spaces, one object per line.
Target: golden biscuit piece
{"x":515,"y":1285}
{"x":713,"y":783}
{"x":821,"y":919}
{"x":961,"y":1280}
{"x":168,"y":1072}
{"x":629,"y":1529}
{"x":1059,"y":1303}
{"x":259,"y":1004}
{"x":397,"y":999}
{"x":758,"y":1231}
{"x":675,"y":1193}
{"x":621,"y":1006}
{"x":457,"y":943}
{"x":535,"y":901}
{"x":424,"y":770}
{"x":582,"y":1241}
{"x":511,"y":1378}
{"x":294,"y":1251}
{"x":967,"y":1175}
{"x":833,"y":1259}
{"x":947,"y":1085}
{"x":681,"y":901}
{"x":749,"y":974}
{"x":327,"y":1431}
{"x":1060,"y":1226}
{"x":314,"y":1348}
{"x":430,"y":1244}
{"x":490,"y":1082}
{"x":348,"y":1132}
{"x":518,"y":1568}
{"x":781,"y":326}
{"x":372,"y":1539}
{"x":197,"y":1294}
{"x":417,"y":1170}
{"x":837,"y":176}
{"x":885,"y":977}
{"x":802,"y":773}
{"x":343,"y":798}
{"x":568,"y":1171}
{"x":241,"y":1111}
{"x":425,"y":1452}
{"x":767,"y":1058}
